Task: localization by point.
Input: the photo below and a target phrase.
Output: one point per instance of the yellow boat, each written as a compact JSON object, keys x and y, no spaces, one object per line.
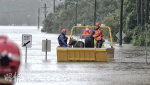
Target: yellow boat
{"x":86,"y":54}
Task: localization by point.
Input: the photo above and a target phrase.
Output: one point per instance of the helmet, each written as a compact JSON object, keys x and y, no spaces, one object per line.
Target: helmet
{"x":9,"y":57}
{"x":97,"y":24}
{"x":63,"y":30}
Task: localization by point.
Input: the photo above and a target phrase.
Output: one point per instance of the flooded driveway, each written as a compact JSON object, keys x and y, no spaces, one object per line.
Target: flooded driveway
{"x":127,"y":68}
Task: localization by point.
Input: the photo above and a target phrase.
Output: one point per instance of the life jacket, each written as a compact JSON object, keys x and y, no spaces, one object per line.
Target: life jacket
{"x":98,"y":33}
{"x":101,"y":34}
{"x":87,"y":33}
{"x":95,"y":41}
{"x":60,"y":42}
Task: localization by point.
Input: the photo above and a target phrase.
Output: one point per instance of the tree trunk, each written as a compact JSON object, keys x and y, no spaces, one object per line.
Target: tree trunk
{"x":138,"y":8}
{"x":65,"y":4}
{"x":146,"y":11}
{"x":142,"y":12}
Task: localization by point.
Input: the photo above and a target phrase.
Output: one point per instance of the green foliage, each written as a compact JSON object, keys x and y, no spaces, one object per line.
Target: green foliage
{"x":108,"y":13}
{"x":65,"y":18}
{"x":139,"y":37}
{"x":112,"y":20}
{"x":138,"y":34}
{"x":148,"y":35}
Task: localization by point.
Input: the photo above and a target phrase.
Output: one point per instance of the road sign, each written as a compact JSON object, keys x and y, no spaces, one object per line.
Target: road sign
{"x":118,"y":35}
{"x":26,"y":40}
{"x":46,"y":46}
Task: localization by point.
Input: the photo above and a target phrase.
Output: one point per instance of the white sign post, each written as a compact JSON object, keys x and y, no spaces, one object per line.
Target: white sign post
{"x":46,"y":47}
{"x":26,"y":42}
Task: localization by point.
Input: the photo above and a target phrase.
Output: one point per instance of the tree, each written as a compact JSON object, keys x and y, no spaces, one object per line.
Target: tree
{"x":108,"y":13}
{"x":138,"y":8}
{"x":142,"y":12}
{"x":146,"y":11}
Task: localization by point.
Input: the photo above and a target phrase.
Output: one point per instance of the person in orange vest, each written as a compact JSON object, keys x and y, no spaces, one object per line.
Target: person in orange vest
{"x":101,"y":34}
{"x":98,"y":36}
{"x":87,"y":31}
{"x":102,"y":46}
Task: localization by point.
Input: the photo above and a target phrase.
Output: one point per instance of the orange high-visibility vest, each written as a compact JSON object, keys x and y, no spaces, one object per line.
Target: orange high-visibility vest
{"x":87,"y":33}
{"x":101,"y":34}
{"x":98,"y":33}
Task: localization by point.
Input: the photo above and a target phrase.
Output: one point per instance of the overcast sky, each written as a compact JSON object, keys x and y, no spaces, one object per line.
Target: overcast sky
{"x":23,"y":11}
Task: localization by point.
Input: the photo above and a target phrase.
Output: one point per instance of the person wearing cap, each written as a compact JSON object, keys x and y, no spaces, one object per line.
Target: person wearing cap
{"x":62,"y":39}
{"x":97,"y":36}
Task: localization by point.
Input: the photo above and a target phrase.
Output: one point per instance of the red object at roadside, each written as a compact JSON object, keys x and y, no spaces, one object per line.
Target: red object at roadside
{"x":9,"y":57}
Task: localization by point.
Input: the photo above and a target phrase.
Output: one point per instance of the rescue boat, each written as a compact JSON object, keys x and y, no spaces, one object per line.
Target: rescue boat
{"x":86,"y":54}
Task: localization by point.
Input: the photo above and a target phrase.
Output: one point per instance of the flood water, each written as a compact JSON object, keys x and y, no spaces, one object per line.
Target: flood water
{"x":127,"y":68}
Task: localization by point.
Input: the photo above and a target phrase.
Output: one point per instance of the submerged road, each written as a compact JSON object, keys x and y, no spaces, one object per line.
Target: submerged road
{"x":127,"y":68}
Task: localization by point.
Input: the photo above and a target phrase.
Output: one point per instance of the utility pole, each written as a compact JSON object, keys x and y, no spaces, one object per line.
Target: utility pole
{"x":65,"y":4}
{"x":147,"y":11}
{"x":45,"y":10}
{"x":146,"y":42}
{"x":54,"y":5}
{"x":142,"y":13}
{"x":121,"y":19}
{"x":76,"y":16}
{"x":95,"y":14}
{"x":38,"y":18}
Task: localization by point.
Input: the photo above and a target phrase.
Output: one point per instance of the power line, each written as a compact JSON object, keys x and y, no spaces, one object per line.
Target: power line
{"x":19,"y":11}
{"x":30,"y":2}
{"x":20,"y":2}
